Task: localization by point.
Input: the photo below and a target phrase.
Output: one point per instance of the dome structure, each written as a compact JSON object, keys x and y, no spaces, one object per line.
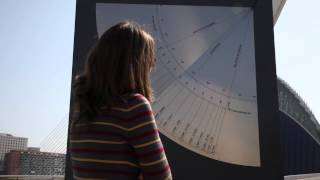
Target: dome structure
{"x":293,"y":105}
{"x":277,"y":8}
{"x":299,"y":133}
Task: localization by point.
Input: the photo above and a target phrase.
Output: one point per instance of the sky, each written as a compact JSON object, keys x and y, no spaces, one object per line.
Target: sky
{"x":297,"y":50}
{"x":36,"y":48}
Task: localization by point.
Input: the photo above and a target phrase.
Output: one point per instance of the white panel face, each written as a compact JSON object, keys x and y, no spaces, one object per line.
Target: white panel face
{"x":204,"y":80}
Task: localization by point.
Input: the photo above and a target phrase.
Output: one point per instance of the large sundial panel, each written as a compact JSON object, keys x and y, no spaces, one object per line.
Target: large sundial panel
{"x":204,"y":80}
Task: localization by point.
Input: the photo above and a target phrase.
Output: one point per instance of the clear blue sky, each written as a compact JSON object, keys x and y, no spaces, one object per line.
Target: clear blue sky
{"x":36,"y":46}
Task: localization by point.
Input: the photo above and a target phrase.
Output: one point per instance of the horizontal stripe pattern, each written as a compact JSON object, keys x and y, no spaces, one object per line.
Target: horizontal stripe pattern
{"x":97,"y":141}
{"x":155,"y":173}
{"x":105,"y":133}
{"x":121,"y":144}
{"x":101,"y":171}
{"x":126,"y":119}
{"x":104,"y":161}
{"x":130,"y":108}
{"x":118,"y":126}
{"x":146,"y":144}
{"x":101,"y":151}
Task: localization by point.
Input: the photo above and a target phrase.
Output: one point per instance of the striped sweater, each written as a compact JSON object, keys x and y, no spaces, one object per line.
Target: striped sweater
{"x":120,"y":144}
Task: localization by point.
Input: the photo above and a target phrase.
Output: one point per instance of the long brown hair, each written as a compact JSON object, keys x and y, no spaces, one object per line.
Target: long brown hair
{"x":118,"y":64}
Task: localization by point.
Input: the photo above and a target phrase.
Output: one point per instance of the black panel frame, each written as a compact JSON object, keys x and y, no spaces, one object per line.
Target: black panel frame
{"x":188,"y":165}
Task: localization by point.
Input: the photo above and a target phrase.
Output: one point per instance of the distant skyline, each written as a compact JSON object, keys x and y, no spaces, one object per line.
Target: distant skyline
{"x":36,"y":48}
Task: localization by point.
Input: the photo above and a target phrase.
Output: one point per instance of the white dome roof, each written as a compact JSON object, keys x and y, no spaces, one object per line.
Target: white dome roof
{"x":277,"y":7}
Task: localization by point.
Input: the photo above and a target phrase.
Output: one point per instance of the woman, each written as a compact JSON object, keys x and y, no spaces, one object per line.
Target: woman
{"x":114,"y":134}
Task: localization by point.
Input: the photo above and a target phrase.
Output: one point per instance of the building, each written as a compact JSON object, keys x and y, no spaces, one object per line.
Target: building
{"x":300,"y":133}
{"x":34,"y":162}
{"x":8,"y":143}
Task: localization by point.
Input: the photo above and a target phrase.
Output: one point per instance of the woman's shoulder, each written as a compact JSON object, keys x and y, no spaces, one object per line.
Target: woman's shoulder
{"x":134,"y":98}
{"x":136,"y":101}
{"x":127,"y":101}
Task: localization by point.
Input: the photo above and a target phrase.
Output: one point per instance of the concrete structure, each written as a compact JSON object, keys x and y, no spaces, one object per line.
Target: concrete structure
{"x":9,"y":142}
{"x":34,"y":162}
